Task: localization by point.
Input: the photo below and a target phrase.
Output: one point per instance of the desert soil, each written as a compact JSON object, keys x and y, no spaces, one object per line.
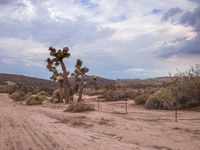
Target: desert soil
{"x":47,"y":127}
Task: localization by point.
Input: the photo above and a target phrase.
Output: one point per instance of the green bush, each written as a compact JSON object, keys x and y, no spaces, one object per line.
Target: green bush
{"x":34,"y":100}
{"x":80,"y":107}
{"x":110,"y":95}
{"x":42,"y":93}
{"x":93,"y":92}
{"x":140,"y":99}
{"x":118,"y":94}
{"x":48,"y":90}
{"x":103,"y":121}
{"x":10,"y":89}
{"x":187,"y":87}
{"x":17,"y":96}
{"x":161,"y":99}
{"x":143,"y":95}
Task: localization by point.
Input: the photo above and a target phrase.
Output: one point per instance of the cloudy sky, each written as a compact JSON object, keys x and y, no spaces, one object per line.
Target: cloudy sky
{"x":114,"y":38}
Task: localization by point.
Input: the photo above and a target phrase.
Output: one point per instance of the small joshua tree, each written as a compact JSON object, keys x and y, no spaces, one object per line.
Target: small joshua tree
{"x":79,"y":76}
{"x":54,"y":61}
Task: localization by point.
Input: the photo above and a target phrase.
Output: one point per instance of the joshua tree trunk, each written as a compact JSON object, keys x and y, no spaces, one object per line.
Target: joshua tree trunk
{"x":81,"y":91}
{"x":61,"y":91}
{"x":66,"y":84}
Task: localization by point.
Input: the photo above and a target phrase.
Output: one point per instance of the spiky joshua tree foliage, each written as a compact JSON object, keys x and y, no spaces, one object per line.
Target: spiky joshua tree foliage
{"x":55,"y":60}
{"x":79,"y":76}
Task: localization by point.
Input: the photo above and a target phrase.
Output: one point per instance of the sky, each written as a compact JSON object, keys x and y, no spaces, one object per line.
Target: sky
{"x":116,"y":39}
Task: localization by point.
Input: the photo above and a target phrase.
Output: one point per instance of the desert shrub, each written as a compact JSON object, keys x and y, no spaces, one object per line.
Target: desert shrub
{"x":150,"y":90}
{"x":143,"y":95}
{"x":80,"y":107}
{"x":48,"y":90}
{"x":77,"y":122}
{"x":103,"y":121}
{"x":17,"y":96}
{"x":118,"y":94}
{"x":7,"y":89}
{"x":3,"y":90}
{"x":34,"y":100}
{"x":110,"y":95}
{"x":27,"y":95}
{"x":140,"y":99}
{"x":127,"y":93}
{"x":187,"y":87}
{"x":93,"y":92}
{"x":42,"y":93}
{"x":161,"y":99}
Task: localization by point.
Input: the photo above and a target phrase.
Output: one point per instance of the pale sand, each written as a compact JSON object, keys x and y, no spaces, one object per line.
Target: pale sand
{"x":47,"y":127}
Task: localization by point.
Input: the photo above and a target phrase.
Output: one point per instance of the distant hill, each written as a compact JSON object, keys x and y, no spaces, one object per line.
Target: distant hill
{"x":143,"y":82}
{"x":6,"y":79}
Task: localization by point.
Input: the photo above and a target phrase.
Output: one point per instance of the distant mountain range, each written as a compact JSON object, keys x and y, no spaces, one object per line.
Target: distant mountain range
{"x":6,"y":79}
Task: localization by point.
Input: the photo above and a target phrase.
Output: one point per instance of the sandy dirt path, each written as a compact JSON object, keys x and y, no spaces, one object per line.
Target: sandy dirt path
{"x":45,"y":128}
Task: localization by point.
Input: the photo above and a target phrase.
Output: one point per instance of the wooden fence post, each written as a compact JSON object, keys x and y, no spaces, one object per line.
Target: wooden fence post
{"x":98,"y":104}
{"x":126,"y":112}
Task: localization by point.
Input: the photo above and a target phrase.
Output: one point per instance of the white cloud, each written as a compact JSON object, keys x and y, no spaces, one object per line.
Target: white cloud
{"x":109,"y":35}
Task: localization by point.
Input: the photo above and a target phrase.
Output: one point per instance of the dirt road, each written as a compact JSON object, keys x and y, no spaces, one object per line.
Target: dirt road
{"x":45,"y":128}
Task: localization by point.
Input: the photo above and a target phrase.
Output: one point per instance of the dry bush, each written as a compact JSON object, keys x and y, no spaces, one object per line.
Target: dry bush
{"x":42,"y":93}
{"x":17,"y":96}
{"x":161,"y":99}
{"x":7,"y":89}
{"x":187,"y":87}
{"x":93,"y":92}
{"x":118,"y":94}
{"x":34,"y":100}
{"x":110,"y":95}
{"x":103,"y":121}
{"x":77,"y":122}
{"x":140,"y":99}
{"x":143,"y":95}
{"x":80,"y":107}
{"x":48,"y":90}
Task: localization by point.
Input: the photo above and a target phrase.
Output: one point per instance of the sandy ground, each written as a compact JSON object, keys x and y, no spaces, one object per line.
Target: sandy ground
{"x":47,"y":127}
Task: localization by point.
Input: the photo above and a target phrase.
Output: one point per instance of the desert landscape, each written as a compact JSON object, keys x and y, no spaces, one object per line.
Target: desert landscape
{"x":48,"y":127}
{"x":100,"y":75}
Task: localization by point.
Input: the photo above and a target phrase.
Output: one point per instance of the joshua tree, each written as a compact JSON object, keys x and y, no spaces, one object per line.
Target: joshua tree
{"x":54,"y":61}
{"x":79,"y":76}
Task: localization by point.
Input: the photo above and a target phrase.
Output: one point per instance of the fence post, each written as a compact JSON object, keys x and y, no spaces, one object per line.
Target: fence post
{"x":98,"y":104}
{"x":126,"y":112}
{"x":176,"y":109}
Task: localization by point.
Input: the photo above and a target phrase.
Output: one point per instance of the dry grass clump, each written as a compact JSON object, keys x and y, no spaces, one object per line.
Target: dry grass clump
{"x":118,"y":94}
{"x":42,"y":93}
{"x":103,"y":121}
{"x":140,"y":99}
{"x":77,"y":122}
{"x":17,"y":96}
{"x":143,"y":95}
{"x":34,"y":99}
{"x":80,"y":107}
{"x":7,"y":89}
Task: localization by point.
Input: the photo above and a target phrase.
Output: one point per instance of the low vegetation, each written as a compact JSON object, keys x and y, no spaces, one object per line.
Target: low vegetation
{"x":111,"y":94}
{"x":80,"y":107}
{"x":17,"y":96}
{"x":187,"y":87}
{"x":103,"y":121}
{"x":183,"y":92}
{"x":34,"y":99}
{"x":161,"y":99}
